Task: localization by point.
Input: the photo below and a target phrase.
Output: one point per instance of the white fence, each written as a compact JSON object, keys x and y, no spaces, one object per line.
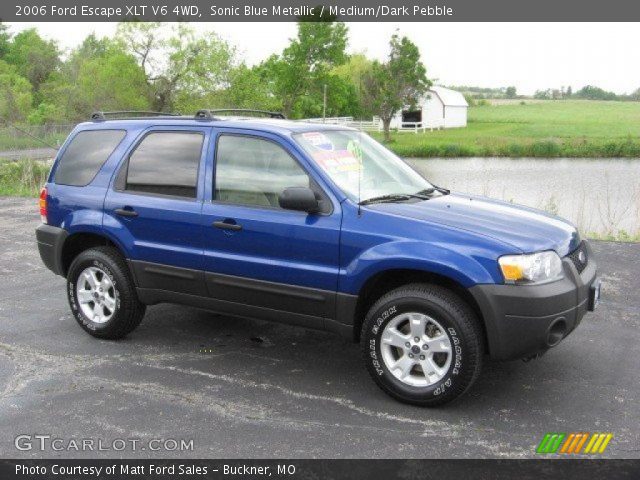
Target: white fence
{"x":375,"y":124}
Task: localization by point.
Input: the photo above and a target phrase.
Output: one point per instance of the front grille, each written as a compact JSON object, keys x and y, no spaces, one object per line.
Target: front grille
{"x":580,"y":257}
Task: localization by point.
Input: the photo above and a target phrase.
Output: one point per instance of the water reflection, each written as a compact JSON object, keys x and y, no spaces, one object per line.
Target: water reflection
{"x":600,"y":196}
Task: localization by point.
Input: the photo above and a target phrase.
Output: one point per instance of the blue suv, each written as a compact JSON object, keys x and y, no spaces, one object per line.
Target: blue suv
{"x":312,"y":225}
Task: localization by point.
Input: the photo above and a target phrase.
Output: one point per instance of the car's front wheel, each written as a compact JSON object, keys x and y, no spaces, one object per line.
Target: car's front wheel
{"x":102,"y":295}
{"x":422,"y":344}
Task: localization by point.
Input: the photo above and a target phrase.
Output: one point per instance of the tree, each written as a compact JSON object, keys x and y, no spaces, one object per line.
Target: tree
{"x":542,"y":94}
{"x":16,"y":97}
{"x":569,"y":92}
{"x":248,"y":89}
{"x":397,"y":83}
{"x":5,"y":38}
{"x":176,"y":61}
{"x":297,"y":76}
{"x":34,"y":57}
{"x":354,"y":72}
{"x":510,"y":92}
{"x":591,"y":92}
{"x":245,"y":88}
{"x":99,"y":75}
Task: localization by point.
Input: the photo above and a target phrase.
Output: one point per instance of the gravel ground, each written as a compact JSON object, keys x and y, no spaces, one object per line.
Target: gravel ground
{"x":31,"y":153}
{"x":242,"y":388}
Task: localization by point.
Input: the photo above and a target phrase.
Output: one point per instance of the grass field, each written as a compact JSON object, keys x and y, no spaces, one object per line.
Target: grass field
{"x":568,"y":128}
{"x":12,"y":139}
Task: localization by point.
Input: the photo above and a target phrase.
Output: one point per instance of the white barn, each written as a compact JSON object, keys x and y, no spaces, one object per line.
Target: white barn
{"x":439,"y":108}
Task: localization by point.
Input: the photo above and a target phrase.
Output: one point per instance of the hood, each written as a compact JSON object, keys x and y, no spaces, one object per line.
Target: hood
{"x":526,"y":229}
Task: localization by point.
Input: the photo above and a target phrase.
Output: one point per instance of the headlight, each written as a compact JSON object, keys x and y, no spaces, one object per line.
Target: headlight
{"x":531,"y":268}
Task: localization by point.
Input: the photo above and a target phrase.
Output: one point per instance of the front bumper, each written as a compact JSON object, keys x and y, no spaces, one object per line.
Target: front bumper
{"x":525,"y":320}
{"x":50,"y":241}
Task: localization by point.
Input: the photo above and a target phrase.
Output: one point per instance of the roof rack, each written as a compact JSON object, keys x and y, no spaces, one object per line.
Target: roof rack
{"x":204,"y":114}
{"x":210,"y":114}
{"x":96,"y":116}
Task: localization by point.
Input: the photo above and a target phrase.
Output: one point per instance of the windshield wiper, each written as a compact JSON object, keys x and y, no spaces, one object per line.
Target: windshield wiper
{"x":394,"y":197}
{"x":434,"y":188}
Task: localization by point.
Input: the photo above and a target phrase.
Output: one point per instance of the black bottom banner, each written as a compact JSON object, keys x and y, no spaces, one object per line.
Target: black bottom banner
{"x":318,"y":469}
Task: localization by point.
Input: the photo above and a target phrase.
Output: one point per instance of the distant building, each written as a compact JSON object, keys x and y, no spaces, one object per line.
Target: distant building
{"x":439,"y":108}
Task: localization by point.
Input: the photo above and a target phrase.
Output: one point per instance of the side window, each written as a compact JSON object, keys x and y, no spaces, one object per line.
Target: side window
{"x":166,"y":163}
{"x":84,"y":156}
{"x":252,"y":171}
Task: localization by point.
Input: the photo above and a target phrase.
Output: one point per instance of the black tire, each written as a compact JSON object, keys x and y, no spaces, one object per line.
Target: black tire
{"x":463,"y":331}
{"x":128,"y":309}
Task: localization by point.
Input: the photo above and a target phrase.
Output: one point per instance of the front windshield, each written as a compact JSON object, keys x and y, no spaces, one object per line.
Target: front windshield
{"x":360,"y":166}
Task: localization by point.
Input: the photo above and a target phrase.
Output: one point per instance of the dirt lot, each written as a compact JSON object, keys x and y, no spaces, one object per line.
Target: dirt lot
{"x":243,"y":388}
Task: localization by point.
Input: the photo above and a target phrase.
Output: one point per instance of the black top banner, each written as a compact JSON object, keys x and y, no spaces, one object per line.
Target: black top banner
{"x":344,"y":10}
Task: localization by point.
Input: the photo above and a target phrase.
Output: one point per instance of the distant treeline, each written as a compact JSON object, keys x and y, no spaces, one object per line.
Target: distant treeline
{"x":588,"y":92}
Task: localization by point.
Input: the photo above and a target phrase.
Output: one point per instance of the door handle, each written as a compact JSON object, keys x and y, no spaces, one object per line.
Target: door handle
{"x":225,"y":225}
{"x":126,"y":212}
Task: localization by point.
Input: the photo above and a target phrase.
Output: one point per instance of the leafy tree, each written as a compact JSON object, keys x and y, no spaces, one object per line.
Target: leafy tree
{"x":99,"y":75}
{"x":16,"y":97}
{"x":5,"y":38}
{"x":591,"y":92}
{"x":248,"y":89}
{"x":245,"y":88}
{"x":177,"y":62}
{"x":397,"y":83}
{"x":510,"y":92}
{"x":542,"y":94}
{"x":34,"y":57}
{"x":569,"y":92}
{"x":297,"y":76}
{"x":354,"y":72}
{"x":44,"y":113}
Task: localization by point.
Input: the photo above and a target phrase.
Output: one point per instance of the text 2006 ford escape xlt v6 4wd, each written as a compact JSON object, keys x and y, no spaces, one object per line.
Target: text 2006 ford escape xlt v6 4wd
{"x":313,"y":225}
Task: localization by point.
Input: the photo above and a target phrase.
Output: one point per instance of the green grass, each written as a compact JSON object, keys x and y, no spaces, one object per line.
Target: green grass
{"x":13,"y":140}
{"x":569,"y":128}
{"x":23,"y":178}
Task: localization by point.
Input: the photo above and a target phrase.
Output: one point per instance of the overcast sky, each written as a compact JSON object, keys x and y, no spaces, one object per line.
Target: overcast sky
{"x":530,"y":56}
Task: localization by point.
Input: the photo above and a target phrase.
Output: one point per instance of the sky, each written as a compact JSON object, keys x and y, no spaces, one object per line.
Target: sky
{"x":530,"y":56}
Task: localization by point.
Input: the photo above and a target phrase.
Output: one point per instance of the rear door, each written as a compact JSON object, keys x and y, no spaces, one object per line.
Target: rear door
{"x":154,"y":208}
{"x":257,"y":253}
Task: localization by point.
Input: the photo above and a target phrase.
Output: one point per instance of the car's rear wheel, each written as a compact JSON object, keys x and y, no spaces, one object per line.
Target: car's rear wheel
{"x":422,"y":344}
{"x":102,"y":295}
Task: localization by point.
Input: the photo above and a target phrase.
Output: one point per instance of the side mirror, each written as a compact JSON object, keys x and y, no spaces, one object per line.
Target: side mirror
{"x":299,"y":198}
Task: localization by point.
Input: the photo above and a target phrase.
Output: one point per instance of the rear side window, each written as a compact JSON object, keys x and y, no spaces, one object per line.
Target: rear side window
{"x":166,"y":163}
{"x":84,"y":156}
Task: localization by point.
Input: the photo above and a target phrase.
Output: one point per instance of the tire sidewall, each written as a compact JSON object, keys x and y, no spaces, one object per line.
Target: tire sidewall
{"x":78,"y":266}
{"x":452,"y":382}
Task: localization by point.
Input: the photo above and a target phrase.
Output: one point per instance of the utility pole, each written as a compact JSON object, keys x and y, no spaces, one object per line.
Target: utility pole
{"x":324,"y":104}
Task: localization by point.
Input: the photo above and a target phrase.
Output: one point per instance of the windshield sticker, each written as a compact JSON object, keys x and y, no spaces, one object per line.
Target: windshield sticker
{"x":318,"y":140}
{"x":337,"y":161}
{"x":355,"y":149}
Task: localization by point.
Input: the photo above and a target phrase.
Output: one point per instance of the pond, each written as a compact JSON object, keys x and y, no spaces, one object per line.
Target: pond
{"x":600,"y":196}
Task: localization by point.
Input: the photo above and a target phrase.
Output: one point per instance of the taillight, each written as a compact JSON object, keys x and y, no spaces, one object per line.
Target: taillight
{"x":43,"y":204}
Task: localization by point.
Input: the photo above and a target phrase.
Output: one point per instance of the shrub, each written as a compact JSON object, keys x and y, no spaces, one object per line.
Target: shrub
{"x":23,"y":178}
{"x":545,"y":148}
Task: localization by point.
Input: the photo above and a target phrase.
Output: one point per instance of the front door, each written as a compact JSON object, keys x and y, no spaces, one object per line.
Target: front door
{"x":256,"y":253}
